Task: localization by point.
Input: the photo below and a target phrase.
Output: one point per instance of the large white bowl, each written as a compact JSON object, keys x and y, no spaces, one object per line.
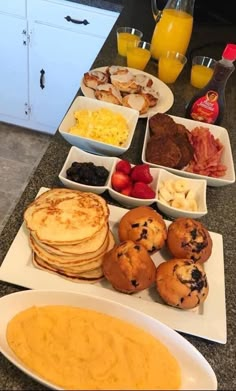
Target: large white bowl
{"x":197,"y":374}
{"x":218,"y":132}
{"x":89,"y":145}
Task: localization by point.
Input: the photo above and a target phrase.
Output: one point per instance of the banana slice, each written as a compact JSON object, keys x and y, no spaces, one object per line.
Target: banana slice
{"x":170,"y":185}
{"x":163,"y":201}
{"x":179,"y":203}
{"x":179,"y":196}
{"x":192,"y":205}
{"x":164,"y":193}
{"x":182,"y":186}
{"x":190,"y":195}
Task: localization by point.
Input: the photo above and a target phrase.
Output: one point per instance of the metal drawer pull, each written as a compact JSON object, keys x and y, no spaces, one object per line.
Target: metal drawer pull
{"x":42,"y":79}
{"x":69,"y":19}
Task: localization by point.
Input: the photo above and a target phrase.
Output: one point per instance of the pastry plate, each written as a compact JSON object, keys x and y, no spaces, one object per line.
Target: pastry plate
{"x":164,"y":103}
{"x":208,"y":321}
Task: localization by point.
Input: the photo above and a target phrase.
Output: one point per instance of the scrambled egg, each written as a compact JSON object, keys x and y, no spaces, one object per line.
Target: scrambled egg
{"x":102,"y":125}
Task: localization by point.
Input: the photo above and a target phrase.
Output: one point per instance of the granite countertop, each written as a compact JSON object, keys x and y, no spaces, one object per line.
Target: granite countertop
{"x":208,"y":39}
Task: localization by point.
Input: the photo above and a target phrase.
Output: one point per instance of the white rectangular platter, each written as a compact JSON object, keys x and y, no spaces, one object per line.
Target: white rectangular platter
{"x":207,"y":321}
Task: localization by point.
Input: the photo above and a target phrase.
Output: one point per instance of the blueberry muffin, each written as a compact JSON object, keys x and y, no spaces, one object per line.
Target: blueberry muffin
{"x":189,"y":238}
{"x":144,"y":226}
{"x":129,"y":268}
{"x":182,"y":283}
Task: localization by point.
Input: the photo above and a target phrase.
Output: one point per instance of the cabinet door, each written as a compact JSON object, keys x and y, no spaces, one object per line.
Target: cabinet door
{"x":14,"y":67}
{"x":58,"y":59}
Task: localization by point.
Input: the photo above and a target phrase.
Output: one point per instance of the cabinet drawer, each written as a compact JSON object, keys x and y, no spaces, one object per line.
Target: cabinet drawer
{"x":14,"y":7}
{"x":54,"y":13}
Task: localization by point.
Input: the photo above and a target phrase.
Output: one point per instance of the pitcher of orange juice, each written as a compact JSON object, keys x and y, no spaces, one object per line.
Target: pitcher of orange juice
{"x":173,"y":28}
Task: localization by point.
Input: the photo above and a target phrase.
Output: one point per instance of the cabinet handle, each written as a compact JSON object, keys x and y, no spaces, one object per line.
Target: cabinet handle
{"x":42,"y":79}
{"x":69,"y":19}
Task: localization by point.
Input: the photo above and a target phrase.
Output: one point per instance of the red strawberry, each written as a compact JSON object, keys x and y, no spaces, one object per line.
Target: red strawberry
{"x":124,"y":166}
{"x":127,"y":190}
{"x":120,"y":181}
{"x":141,"y":173}
{"x":142,"y":190}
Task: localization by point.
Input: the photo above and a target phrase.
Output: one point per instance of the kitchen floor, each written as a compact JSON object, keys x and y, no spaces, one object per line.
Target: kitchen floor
{"x":21,"y":150}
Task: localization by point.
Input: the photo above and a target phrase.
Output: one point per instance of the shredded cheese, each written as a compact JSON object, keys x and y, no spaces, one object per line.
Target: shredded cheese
{"x":102,"y":125}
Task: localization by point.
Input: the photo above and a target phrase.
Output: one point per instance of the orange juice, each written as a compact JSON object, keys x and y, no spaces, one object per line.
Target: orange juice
{"x":172,"y":32}
{"x":123,"y":39}
{"x":169,"y":69}
{"x":200,"y":75}
{"x":138,"y":57}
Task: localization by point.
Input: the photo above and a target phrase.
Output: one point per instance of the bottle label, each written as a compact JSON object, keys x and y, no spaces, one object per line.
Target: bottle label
{"x":206,"y":108}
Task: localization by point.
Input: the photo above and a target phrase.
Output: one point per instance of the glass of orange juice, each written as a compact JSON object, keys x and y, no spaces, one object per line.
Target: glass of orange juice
{"x":125,"y":35}
{"x":170,"y":65}
{"x":138,"y":54}
{"x":201,"y":71}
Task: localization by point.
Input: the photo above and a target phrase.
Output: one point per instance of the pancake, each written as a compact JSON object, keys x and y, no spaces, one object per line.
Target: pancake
{"x":87,"y":249}
{"x":64,"y":216}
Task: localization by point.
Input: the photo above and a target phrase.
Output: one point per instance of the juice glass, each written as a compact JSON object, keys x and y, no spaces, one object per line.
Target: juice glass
{"x":170,"y":66}
{"x":138,"y":54}
{"x":201,"y":71}
{"x":125,"y":35}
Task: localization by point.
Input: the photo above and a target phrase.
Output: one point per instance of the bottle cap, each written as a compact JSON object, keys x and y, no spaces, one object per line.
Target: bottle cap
{"x":230,"y":52}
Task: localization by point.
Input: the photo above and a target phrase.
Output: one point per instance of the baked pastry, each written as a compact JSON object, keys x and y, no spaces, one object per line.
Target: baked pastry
{"x":144,"y":226}
{"x":151,"y":95}
{"x":143,"y":80}
{"x":108,"y":93}
{"x":136,"y":101}
{"x":125,"y":82}
{"x":182,"y":283}
{"x":189,"y":238}
{"x":93,"y":79}
{"x":129,"y":268}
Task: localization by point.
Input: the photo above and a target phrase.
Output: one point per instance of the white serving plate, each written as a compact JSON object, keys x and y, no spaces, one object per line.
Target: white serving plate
{"x":97,"y":147}
{"x":218,"y":132}
{"x":166,"y":97}
{"x":196,"y":372}
{"x":207,"y":321}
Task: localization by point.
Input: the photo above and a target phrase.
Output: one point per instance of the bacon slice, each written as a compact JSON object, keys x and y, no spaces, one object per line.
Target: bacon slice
{"x":207,"y":154}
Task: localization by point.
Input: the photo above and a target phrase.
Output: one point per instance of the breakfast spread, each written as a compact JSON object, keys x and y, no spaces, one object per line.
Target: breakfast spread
{"x":119,"y":85}
{"x":81,"y":349}
{"x":102,"y":125}
{"x":69,"y":233}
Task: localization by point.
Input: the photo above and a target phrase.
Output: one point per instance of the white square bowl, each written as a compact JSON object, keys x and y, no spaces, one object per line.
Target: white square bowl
{"x":78,"y":155}
{"x":89,"y":145}
{"x":218,"y":132}
{"x":198,"y":186}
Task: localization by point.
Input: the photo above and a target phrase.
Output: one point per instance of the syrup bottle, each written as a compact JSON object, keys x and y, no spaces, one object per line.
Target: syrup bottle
{"x":209,"y":103}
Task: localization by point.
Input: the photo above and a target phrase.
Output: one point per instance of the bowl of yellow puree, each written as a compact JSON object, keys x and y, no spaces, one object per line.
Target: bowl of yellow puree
{"x":76,"y":341}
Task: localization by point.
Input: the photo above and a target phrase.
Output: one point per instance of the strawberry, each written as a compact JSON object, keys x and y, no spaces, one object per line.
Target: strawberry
{"x":142,"y":190}
{"x":124,"y":166}
{"x":127,"y":190}
{"x":120,"y":181}
{"x":141,"y":173}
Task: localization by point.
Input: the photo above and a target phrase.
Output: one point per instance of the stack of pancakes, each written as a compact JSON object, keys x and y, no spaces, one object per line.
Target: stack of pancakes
{"x":69,"y":233}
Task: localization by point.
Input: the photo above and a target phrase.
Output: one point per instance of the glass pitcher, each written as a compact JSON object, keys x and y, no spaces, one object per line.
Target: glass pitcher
{"x":173,"y":28}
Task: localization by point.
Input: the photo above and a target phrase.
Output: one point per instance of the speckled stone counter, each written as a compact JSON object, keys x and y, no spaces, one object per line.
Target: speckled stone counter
{"x":220,"y":200}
